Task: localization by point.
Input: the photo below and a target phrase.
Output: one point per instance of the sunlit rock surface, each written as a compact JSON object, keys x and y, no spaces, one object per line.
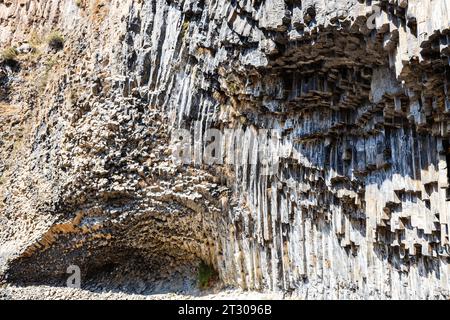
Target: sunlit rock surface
{"x":354,"y":98}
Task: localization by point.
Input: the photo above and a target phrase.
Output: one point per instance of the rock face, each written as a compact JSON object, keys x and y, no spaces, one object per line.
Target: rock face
{"x":329,"y":120}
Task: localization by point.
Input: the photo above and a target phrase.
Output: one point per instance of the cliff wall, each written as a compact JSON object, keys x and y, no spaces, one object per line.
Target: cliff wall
{"x":294,"y":146}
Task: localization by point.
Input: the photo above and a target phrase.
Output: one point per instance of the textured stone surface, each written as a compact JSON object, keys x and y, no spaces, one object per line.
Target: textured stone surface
{"x":358,"y":91}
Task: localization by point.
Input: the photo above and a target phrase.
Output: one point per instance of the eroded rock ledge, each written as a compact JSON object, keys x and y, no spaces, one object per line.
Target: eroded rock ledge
{"x":359,"y":91}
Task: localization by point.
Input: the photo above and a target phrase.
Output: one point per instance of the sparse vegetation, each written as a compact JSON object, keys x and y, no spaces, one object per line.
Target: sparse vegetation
{"x":206,"y":275}
{"x":78,"y":3}
{"x":35,"y":42}
{"x":184,"y":29}
{"x":49,"y":64}
{"x":9,"y":55}
{"x":34,"y":39}
{"x":55,"y":40}
{"x":233,"y":88}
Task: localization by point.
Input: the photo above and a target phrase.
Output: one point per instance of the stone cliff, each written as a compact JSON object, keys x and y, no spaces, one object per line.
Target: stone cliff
{"x":331,"y":125}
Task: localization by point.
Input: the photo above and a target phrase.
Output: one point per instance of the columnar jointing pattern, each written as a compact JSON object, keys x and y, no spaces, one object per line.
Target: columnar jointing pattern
{"x":360,"y":204}
{"x":359,"y":92}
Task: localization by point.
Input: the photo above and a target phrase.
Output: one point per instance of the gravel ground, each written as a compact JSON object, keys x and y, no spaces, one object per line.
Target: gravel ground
{"x":11,"y":292}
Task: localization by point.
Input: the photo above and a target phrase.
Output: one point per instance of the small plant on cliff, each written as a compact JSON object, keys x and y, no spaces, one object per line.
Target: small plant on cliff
{"x":206,"y":275}
{"x":55,"y":41}
{"x":233,"y":88}
{"x":78,"y":3}
{"x":9,"y":55}
{"x":35,"y":40}
{"x":184,"y":29}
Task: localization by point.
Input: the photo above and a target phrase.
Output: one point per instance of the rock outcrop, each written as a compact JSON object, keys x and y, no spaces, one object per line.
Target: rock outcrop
{"x":295,"y":146}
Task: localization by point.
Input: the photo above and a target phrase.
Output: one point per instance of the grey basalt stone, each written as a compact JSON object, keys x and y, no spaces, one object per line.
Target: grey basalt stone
{"x":358,"y":91}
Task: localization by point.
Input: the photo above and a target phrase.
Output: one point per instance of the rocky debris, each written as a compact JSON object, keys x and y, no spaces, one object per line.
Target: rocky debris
{"x":358,"y":206}
{"x":62,"y":293}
